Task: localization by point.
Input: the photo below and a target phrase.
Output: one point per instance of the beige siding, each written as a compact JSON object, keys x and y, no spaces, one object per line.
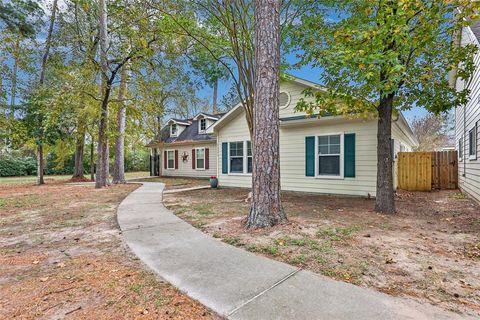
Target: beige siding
{"x":295,"y":91}
{"x":185,"y":168}
{"x":292,"y":157}
{"x":465,"y":120}
{"x":292,"y":149}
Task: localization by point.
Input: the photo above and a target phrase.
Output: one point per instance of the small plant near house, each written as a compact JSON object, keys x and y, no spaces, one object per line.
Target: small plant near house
{"x":234,"y":241}
{"x":459,"y":195}
{"x":213,"y":182}
{"x":273,"y":250}
{"x":337,"y":233}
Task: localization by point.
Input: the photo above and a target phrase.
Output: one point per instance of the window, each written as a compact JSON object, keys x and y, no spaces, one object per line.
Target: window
{"x":171,"y":159}
{"x":329,"y":155}
{"x":200,"y":158}
{"x":203,"y":124}
{"x":472,"y":143}
{"x":249,"y":157}
{"x":236,"y":157}
{"x":173,"y":129}
{"x":284,"y":99}
{"x":460,"y":149}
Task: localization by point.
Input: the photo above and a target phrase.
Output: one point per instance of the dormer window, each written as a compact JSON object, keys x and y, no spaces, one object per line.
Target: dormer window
{"x":203,"y":124}
{"x":173,"y":130}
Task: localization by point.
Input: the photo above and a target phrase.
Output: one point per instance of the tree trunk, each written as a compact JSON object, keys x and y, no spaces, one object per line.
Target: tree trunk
{"x":79,"y":169}
{"x":215,"y":97}
{"x":48,"y":43}
{"x":119,"y":167}
{"x":40,"y":168}
{"x":13,"y":93}
{"x":266,"y":209}
{"x":102,"y":150}
{"x":92,"y":162}
{"x":385,"y":201}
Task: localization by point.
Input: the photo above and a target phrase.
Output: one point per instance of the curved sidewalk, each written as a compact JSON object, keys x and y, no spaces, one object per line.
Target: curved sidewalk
{"x":241,"y":285}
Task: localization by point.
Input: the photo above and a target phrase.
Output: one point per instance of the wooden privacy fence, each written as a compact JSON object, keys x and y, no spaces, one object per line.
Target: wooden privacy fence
{"x":424,"y":171}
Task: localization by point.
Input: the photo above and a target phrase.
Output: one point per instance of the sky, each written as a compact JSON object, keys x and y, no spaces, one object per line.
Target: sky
{"x":308,"y":73}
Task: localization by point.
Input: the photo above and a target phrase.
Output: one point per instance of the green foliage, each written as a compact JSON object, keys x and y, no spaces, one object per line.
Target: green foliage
{"x":18,"y":15}
{"x":369,"y":50}
{"x":12,"y":166}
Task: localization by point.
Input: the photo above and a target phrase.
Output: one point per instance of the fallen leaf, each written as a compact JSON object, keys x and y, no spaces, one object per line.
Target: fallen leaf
{"x":44,"y":279}
{"x":36,"y":262}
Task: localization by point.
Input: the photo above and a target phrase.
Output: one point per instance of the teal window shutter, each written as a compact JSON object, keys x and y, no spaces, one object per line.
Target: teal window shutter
{"x":310,"y":156}
{"x":349,"y":155}
{"x":224,"y":157}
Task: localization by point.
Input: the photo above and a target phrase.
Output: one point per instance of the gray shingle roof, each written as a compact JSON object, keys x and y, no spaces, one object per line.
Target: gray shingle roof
{"x":189,"y":134}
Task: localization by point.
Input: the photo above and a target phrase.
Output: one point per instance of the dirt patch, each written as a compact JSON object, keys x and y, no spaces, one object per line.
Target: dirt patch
{"x":62,"y":255}
{"x":428,"y":251}
{"x":178,"y":183}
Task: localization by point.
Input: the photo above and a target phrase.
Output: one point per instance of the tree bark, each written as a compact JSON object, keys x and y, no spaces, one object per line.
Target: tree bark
{"x":79,"y":147}
{"x":13,"y":93}
{"x":266,"y":208}
{"x":92,"y":162}
{"x":102,"y":149}
{"x":119,"y":167}
{"x":43,"y":69}
{"x":40,"y":168}
{"x":385,"y":201}
{"x":215,"y":97}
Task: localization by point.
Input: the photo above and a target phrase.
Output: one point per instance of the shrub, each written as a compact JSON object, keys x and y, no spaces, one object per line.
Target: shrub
{"x":12,"y":166}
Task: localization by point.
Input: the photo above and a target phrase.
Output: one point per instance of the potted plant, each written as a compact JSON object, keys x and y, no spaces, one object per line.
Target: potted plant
{"x":213,"y":182}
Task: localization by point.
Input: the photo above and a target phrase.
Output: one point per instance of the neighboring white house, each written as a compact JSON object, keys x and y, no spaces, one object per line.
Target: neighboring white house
{"x":467,"y":122}
{"x":331,"y":155}
{"x":185,"y":148}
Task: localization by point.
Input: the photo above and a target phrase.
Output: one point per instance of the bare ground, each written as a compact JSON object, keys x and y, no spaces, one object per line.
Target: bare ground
{"x":62,"y":256}
{"x":178,"y":183}
{"x":428,"y":251}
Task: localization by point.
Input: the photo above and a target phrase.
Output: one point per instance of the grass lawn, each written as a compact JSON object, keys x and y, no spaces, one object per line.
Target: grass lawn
{"x":428,"y":251}
{"x":62,"y":255}
{"x":26,"y":180}
{"x":178,"y":183}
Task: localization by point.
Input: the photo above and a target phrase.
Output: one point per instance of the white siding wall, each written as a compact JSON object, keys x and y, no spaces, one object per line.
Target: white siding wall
{"x":292,"y":150}
{"x":465,"y":120}
{"x":292,"y":157}
{"x":185,"y":168}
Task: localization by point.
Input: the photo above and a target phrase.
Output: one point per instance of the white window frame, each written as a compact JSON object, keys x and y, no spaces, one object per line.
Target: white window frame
{"x":317,"y":155}
{"x":200,"y":125}
{"x":168,"y":167}
{"x":176,"y":130}
{"x":474,"y":143}
{"x":196,"y":159}
{"x":230,"y":158}
{"x":245,"y":158}
{"x":288,"y":100}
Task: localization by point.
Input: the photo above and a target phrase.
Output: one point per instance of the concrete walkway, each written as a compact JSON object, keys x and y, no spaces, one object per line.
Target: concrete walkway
{"x":241,"y":285}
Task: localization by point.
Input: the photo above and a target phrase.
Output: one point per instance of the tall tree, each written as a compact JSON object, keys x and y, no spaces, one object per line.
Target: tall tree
{"x":102,"y":151}
{"x":119,"y":166}
{"x":48,"y":43}
{"x":434,"y":131}
{"x":18,"y":14}
{"x":266,"y":208}
{"x":383,"y":56}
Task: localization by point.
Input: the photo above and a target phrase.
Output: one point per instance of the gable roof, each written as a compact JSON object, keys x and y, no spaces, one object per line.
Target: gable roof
{"x":189,"y":135}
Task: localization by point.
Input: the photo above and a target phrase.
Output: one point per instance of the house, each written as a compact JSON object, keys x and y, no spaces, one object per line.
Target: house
{"x":330,"y":155}
{"x":185,"y":148}
{"x":467,"y":122}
